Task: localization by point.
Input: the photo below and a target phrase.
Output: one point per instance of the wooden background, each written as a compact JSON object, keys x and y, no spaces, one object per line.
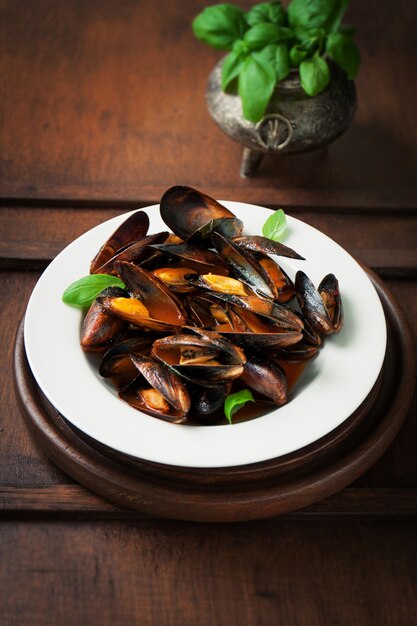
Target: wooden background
{"x":102,"y":109}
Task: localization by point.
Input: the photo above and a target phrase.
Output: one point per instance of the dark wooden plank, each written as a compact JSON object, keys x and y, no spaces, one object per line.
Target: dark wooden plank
{"x":386,"y":245}
{"x":74,"y":499}
{"x":20,"y":460}
{"x":263,"y":574}
{"x":94,"y":109}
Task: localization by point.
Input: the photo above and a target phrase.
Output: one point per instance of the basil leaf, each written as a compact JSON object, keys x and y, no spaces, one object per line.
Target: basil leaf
{"x":277,"y":56}
{"x":297,"y":54}
{"x":84,"y":291}
{"x":236,"y":401}
{"x":317,"y":13}
{"x":231,"y":69}
{"x":261,"y":35}
{"x":266,"y":12}
{"x":333,"y":23}
{"x":282,"y":61}
{"x":342,"y":49}
{"x":256,"y":83}
{"x":220,"y":25}
{"x":275,"y":225}
{"x":314,"y":74}
{"x":310,"y":38}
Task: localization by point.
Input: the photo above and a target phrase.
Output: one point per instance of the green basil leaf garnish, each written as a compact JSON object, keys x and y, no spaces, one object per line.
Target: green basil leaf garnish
{"x":275,"y":225}
{"x":84,"y":291}
{"x":236,"y":401}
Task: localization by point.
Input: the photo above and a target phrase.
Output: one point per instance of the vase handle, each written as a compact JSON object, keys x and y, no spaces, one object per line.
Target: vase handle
{"x":274,"y":131}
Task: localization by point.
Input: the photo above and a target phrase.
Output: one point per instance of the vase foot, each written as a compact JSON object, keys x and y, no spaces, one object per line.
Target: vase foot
{"x":251,"y":160}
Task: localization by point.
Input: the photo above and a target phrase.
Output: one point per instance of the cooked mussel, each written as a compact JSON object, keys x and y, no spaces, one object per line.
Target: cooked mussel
{"x":116,"y":362}
{"x":257,"y":243}
{"x":323,"y":312}
{"x":152,"y":306}
{"x":201,"y":356}
{"x":208,"y":402}
{"x":266,"y":377}
{"x":137,"y":252}
{"x":100,"y":328}
{"x":131,"y":230}
{"x":157,"y":390}
{"x":186,"y":211}
{"x":330,"y":294}
{"x":175,"y":278}
{"x":244,"y":267}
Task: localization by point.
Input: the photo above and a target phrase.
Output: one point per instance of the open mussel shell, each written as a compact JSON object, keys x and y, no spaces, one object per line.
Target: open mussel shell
{"x":297,"y":353}
{"x":245,"y":268}
{"x":281,"y":284}
{"x":218,"y":284}
{"x":163,"y":311}
{"x":251,"y":331}
{"x":137,"y":252}
{"x":158,"y":391}
{"x":279,"y":314}
{"x":196,"y":256}
{"x":266,"y":377}
{"x":131,"y":230}
{"x":201,"y":356}
{"x":100,"y":328}
{"x":116,"y":362}
{"x":186,"y":210}
{"x":257,"y":243}
{"x":174,"y":277}
{"x":312,"y":305}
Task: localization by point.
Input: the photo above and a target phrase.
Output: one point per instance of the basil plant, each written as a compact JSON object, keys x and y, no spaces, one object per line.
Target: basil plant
{"x":267,"y":42}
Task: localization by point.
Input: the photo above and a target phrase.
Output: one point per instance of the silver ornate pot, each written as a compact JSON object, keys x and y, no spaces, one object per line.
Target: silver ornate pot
{"x":293,"y":122}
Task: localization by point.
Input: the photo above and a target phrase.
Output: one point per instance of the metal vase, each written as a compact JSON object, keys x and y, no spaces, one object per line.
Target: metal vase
{"x":294,"y":122}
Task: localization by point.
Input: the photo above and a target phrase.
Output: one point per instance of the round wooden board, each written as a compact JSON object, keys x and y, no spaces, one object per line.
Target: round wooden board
{"x":242,"y":493}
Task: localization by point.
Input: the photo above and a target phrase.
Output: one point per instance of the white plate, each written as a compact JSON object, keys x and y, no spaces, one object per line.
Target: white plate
{"x":330,"y":389}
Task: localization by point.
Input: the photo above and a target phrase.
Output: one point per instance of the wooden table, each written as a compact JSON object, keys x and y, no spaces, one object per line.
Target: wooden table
{"x":102,"y":109}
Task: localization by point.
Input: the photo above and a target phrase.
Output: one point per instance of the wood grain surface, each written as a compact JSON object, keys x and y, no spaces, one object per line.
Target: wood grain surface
{"x":265,"y":573}
{"x":102,"y":109}
{"x":104,"y":100}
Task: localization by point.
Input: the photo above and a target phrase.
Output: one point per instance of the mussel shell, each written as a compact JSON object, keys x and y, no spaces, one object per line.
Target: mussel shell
{"x":195,"y":254}
{"x":245,"y":268}
{"x":137,"y":252}
{"x":208,"y":403}
{"x":312,"y":305}
{"x":297,"y":353}
{"x":164,"y":309}
{"x":185,"y":210}
{"x":164,"y":380}
{"x":280,"y":314}
{"x":280,"y":282}
{"x":229,"y":227}
{"x":267,"y":378}
{"x":174,"y":278}
{"x":329,"y":292}
{"x":230,"y":357}
{"x":257,"y":243}
{"x":116,"y":362}
{"x":100,"y":328}
{"x":131,"y":230}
